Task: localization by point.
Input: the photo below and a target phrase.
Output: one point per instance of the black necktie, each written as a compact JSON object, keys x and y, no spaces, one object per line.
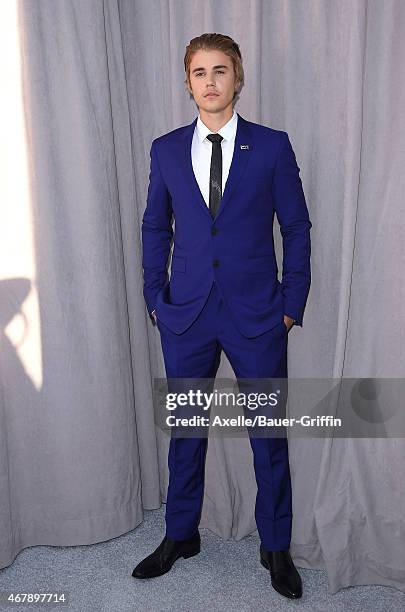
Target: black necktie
{"x":215,"y":173}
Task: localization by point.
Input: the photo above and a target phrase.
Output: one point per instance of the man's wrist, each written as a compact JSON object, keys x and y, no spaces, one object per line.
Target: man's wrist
{"x":290,"y":321}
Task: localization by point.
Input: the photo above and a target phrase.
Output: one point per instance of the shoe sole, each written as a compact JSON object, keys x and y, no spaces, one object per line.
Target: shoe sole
{"x":186,"y":555}
{"x":275,"y":587}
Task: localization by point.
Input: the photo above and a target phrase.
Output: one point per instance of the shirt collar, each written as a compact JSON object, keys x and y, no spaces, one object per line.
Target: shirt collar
{"x":227,"y":131}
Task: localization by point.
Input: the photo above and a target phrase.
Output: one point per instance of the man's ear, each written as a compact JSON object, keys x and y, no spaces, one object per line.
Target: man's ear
{"x":188,"y":87}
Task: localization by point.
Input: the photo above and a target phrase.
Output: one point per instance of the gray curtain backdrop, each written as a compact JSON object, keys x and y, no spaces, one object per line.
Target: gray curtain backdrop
{"x":80,"y":458}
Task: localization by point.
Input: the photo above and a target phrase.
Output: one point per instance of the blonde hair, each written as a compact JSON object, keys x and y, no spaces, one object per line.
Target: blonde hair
{"x":218,"y":42}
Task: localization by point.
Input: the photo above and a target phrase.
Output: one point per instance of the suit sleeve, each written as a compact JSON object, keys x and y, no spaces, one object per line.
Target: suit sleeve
{"x":157,"y":233}
{"x":293,"y":217}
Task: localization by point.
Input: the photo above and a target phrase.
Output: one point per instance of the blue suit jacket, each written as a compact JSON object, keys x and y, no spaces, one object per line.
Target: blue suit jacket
{"x":237,"y":247}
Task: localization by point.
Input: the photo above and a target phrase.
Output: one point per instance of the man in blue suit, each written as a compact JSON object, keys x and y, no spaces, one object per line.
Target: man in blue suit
{"x":222,"y":178}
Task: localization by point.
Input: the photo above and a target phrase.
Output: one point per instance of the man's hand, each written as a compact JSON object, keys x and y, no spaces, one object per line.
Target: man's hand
{"x":153,"y":315}
{"x":289,"y":322}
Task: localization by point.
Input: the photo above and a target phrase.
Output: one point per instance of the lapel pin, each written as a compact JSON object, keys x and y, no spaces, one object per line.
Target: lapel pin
{"x":244,"y":146}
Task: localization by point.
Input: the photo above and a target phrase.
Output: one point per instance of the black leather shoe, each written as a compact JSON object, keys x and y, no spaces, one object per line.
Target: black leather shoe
{"x":168,"y":551}
{"x":284,"y":576}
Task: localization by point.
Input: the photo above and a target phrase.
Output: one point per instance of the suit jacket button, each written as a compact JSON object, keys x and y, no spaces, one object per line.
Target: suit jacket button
{"x":214,"y":231}
{"x":215,"y":263}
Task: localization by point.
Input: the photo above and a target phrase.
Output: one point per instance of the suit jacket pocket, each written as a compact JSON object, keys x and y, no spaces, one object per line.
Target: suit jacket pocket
{"x":266,"y":263}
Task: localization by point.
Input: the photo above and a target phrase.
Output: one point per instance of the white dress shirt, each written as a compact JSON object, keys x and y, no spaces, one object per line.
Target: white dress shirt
{"x":201,"y":149}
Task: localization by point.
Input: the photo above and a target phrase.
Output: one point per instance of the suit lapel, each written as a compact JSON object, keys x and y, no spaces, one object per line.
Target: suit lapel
{"x":238,"y":165}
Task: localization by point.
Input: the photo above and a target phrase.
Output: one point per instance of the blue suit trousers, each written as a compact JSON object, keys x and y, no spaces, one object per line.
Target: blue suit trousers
{"x":196,"y":353}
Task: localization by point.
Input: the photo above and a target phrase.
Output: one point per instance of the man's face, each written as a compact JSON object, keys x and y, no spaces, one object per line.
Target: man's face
{"x":212,"y":72}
